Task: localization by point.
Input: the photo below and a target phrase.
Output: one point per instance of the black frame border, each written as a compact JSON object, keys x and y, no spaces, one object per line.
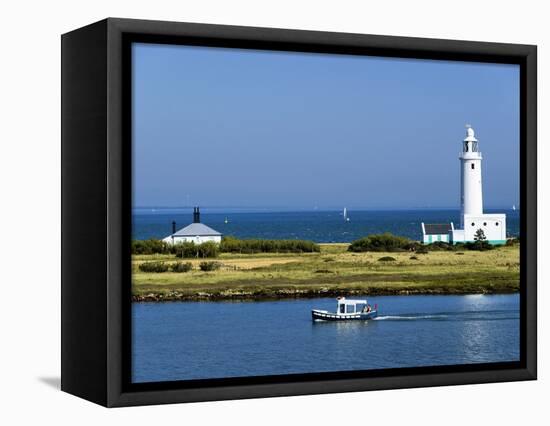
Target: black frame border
{"x":115,"y":383}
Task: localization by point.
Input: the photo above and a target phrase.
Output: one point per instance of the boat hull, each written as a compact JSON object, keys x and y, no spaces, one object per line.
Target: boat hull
{"x":317,"y":315}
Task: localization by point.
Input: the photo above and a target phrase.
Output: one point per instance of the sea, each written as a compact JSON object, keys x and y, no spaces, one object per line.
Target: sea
{"x":203,"y":340}
{"x":322,"y":226}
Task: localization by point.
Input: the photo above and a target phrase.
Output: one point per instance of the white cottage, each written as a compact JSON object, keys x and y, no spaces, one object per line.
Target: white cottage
{"x":196,"y":232}
{"x":472,"y":217}
{"x":433,"y":232}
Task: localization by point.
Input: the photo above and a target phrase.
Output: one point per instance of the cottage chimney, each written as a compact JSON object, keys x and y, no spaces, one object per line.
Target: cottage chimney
{"x":173,"y":227}
{"x":196,"y":215}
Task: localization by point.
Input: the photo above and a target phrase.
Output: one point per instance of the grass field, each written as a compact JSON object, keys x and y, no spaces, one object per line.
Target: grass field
{"x":334,"y":271}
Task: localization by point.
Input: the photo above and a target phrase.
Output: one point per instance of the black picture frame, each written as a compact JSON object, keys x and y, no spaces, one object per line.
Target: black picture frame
{"x":96,"y":223}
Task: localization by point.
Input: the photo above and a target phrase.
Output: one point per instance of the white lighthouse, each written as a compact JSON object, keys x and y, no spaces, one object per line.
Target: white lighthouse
{"x":471,"y":194}
{"x":472,"y":217}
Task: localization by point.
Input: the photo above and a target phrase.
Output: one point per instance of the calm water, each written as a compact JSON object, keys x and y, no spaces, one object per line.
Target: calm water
{"x":194,"y":340}
{"x":319,"y":226}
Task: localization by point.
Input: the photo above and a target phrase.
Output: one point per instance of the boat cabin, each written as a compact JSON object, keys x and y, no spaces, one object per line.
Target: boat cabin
{"x":351,"y":306}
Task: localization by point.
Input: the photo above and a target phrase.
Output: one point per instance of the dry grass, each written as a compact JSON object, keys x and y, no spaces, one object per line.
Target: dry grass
{"x":336,"y":270}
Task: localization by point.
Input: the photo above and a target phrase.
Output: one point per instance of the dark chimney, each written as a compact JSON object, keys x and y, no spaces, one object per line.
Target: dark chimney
{"x":196,"y":215}
{"x":173,"y":227}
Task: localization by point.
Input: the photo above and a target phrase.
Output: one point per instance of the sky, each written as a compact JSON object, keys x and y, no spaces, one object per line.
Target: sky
{"x":220,"y":127}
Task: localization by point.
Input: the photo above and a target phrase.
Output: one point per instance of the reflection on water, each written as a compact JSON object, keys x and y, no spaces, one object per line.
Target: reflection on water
{"x":191,"y":340}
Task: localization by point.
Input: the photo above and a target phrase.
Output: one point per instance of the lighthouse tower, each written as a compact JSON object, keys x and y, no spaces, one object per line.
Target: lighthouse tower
{"x":472,"y":218}
{"x":471,"y":196}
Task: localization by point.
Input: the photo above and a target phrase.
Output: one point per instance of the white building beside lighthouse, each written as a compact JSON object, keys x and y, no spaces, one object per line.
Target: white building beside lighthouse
{"x":472,"y":217}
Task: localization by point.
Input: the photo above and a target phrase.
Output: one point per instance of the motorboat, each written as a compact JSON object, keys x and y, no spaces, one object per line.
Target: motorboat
{"x":347,"y":310}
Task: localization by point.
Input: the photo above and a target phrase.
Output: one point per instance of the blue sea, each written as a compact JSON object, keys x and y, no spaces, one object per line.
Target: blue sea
{"x":198,"y":340}
{"x":318,"y":226}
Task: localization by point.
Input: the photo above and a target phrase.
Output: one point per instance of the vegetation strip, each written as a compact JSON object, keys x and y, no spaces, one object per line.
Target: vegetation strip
{"x":333,"y":271}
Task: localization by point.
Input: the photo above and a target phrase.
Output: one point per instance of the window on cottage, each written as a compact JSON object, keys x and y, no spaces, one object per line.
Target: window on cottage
{"x":496,"y":224}
{"x":473,"y":224}
{"x":473,"y":166}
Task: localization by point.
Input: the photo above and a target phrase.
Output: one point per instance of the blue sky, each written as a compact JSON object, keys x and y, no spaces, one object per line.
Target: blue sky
{"x":246,"y":128}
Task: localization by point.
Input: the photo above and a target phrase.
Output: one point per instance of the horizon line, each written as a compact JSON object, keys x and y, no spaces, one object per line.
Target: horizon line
{"x":328,"y":208}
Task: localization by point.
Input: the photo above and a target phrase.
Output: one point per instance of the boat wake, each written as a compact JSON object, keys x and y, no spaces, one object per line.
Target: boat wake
{"x":408,"y":317}
{"x":453,"y":316}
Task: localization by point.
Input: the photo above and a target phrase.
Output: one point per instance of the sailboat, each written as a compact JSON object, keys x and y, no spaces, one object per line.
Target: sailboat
{"x":514,"y":207}
{"x":226,"y":221}
{"x":346,"y":218}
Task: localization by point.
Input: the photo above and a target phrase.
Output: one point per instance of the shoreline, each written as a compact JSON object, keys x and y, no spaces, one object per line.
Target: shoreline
{"x":303,"y":294}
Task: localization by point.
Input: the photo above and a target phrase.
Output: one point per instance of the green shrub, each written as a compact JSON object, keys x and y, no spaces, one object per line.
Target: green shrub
{"x":323,"y":271}
{"x":480,"y":242}
{"x":382,"y":242}
{"x":413,"y":257}
{"x":150,"y":246}
{"x":209,"y":266}
{"x":182,"y":267}
{"x":440,"y":246}
{"x":208,"y":249}
{"x":512,"y":241}
{"x":185,"y":250}
{"x":478,"y":245}
{"x":190,"y":249}
{"x":412,"y":246}
{"x":234,"y":245}
{"x":153,"y":267}
{"x":387,"y":259}
{"x":480,"y":235}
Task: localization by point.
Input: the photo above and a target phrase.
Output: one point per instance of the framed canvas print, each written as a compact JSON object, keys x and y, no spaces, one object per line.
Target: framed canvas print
{"x":253,"y":212}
